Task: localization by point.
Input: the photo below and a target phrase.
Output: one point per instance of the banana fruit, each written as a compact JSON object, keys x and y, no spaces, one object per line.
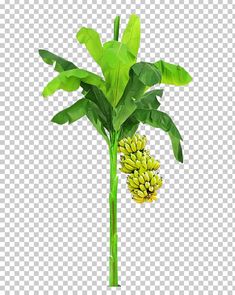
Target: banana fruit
{"x":143,"y":182}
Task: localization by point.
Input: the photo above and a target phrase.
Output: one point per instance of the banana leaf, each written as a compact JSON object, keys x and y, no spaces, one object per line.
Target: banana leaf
{"x":60,"y":64}
{"x":173,"y":74}
{"x":70,"y":81}
{"x":91,"y":39}
{"x":163,"y":121}
{"x":131,"y":35}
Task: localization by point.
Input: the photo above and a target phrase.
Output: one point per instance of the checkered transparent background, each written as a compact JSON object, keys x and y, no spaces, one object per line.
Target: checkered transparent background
{"x":54,"y":180}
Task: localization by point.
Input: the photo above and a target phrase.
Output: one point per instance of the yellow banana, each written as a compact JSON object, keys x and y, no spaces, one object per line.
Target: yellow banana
{"x":132,"y":183}
{"x":142,"y":187}
{"x":150,"y":164}
{"x":141,"y":194}
{"x":147,"y":184}
{"x":133,"y":157}
{"x":141,"y":179}
{"x":136,"y":174}
{"x":125,"y":170}
{"x":151,"y":175}
{"x":138,"y":199}
{"x":133,"y":147}
{"x":121,"y":142}
{"x":156,"y":165}
{"x":151,"y":188}
{"x":136,"y":180}
{"x":128,"y":148}
{"x":130,"y":162}
{"x":144,"y":165}
{"x":138,"y":164}
{"x":139,"y":155}
{"x":146,"y":176}
{"x":129,"y":167}
{"x":139,"y":145}
{"x":153,"y":181}
{"x":123,"y":150}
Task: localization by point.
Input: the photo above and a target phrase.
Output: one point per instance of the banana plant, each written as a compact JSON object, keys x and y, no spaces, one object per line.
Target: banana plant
{"x":118,"y":101}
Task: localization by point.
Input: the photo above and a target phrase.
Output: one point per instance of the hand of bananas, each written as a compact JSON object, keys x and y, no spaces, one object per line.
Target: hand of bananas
{"x":142,"y":182}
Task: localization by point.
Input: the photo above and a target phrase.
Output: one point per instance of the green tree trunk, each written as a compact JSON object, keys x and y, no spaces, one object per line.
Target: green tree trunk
{"x":113,"y":258}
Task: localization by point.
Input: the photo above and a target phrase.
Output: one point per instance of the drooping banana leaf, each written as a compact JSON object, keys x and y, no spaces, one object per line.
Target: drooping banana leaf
{"x":129,"y":127}
{"x":149,"y":100}
{"x":94,"y":94}
{"x":83,"y":107}
{"x":163,"y":121}
{"x":72,"y":113}
{"x":60,"y":64}
{"x":122,"y":112}
{"x":142,"y":75}
{"x":127,"y":106}
{"x":93,"y":114}
{"x":131,"y":35}
{"x":173,"y":74}
{"x":91,"y":39}
{"x":70,"y":81}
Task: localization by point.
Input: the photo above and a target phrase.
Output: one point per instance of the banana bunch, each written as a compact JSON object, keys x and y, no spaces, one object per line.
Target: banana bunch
{"x":142,"y":181}
{"x":131,"y":145}
{"x":141,"y":160}
{"x":144,"y":185}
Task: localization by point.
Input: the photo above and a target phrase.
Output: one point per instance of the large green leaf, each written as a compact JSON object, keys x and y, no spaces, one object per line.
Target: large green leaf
{"x":163,"y":121}
{"x":91,"y":39}
{"x":70,"y":81}
{"x":60,"y":64}
{"x":126,"y":107}
{"x":129,"y":127}
{"x":122,"y":112}
{"x":147,"y":73}
{"x":93,"y":114}
{"x":79,"y":109}
{"x":173,"y":74}
{"x":142,"y":75}
{"x":131,"y":35}
{"x":149,"y":100}
{"x":115,"y":64}
{"x":94,"y":94}
{"x":114,"y":59}
{"x":72,"y":113}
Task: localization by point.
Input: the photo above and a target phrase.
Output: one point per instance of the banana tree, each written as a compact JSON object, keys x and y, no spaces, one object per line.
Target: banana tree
{"x":118,"y":101}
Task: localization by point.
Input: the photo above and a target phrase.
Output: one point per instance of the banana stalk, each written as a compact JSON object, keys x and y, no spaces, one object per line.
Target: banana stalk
{"x":113,"y":258}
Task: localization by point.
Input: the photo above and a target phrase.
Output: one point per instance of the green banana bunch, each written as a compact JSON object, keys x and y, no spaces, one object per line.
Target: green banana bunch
{"x":144,"y":185}
{"x":136,"y":161}
{"x":132,"y":144}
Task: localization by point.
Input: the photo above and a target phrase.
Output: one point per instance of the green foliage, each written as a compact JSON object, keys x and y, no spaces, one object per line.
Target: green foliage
{"x":60,"y":63}
{"x":173,"y":74}
{"x":123,"y":111}
{"x":149,"y":101}
{"x":91,"y":39}
{"x":83,"y":107}
{"x":118,"y":101}
{"x":129,"y":127}
{"x":163,"y":121}
{"x":116,"y":63}
{"x":70,"y":81}
{"x":95,"y":95}
{"x":147,"y":73}
{"x":131,"y":35}
{"x":116,"y":28}
{"x":142,"y":75}
{"x":72,"y":113}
